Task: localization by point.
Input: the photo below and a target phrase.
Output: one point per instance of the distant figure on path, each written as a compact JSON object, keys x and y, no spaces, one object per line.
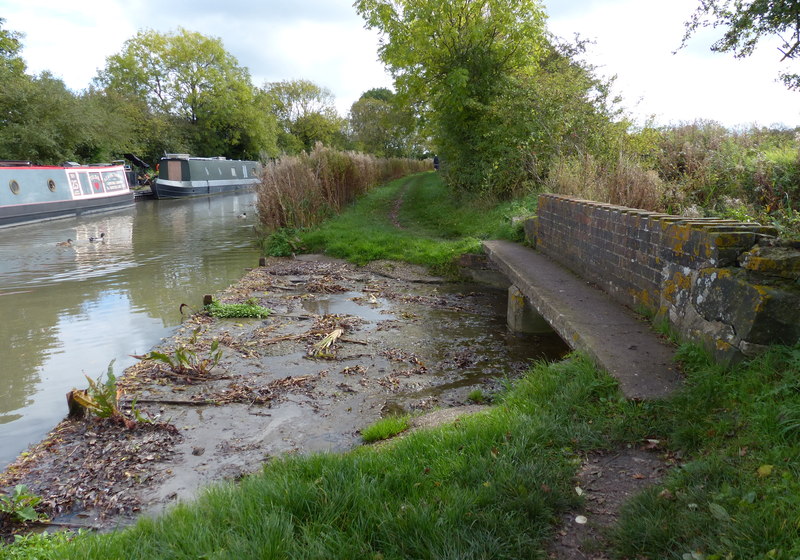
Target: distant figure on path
{"x":436,"y":163}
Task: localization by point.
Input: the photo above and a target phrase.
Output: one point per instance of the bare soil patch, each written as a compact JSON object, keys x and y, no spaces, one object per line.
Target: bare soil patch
{"x":606,"y":480}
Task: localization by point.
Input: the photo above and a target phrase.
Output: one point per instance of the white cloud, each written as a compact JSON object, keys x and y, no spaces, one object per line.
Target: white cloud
{"x":635,"y":39}
{"x":71,"y":40}
{"x":324,"y":41}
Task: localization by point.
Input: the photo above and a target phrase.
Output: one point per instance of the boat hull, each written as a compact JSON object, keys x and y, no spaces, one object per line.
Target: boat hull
{"x":30,"y":194}
{"x":183,"y":176}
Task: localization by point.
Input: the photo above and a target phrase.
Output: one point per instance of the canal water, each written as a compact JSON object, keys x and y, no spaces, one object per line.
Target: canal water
{"x":68,"y":312}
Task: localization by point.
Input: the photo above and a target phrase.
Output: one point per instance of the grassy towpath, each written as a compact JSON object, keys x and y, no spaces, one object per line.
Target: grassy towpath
{"x":416,"y":220}
{"x":496,"y":484}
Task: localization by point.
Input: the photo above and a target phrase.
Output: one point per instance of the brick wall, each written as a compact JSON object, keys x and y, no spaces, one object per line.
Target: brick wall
{"x":677,"y":267}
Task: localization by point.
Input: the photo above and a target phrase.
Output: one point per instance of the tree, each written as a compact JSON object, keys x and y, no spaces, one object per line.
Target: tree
{"x":306,"y":115}
{"x":193,"y":80}
{"x":747,"y":23}
{"x":10,"y":46}
{"x":383,"y":127}
{"x":40,"y":120}
{"x":451,"y":61}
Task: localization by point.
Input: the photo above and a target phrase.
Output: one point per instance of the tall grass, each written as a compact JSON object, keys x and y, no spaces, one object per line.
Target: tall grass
{"x":697,"y":168}
{"x":624,"y":182}
{"x":302,"y":191}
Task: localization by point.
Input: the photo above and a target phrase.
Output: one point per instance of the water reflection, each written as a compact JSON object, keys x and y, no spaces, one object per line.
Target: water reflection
{"x":70,"y":311}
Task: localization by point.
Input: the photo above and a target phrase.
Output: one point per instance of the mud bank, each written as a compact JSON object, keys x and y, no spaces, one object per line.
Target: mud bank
{"x":408,"y":343}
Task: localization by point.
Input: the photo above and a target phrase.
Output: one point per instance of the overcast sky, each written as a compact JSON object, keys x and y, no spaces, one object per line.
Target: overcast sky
{"x":325,"y":41}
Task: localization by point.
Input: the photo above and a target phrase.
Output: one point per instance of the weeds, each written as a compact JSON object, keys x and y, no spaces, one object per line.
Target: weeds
{"x":185,"y":361}
{"x":19,"y":504}
{"x":283,"y":242}
{"x":248,"y":309}
{"x":37,"y":546}
{"x":102,"y":400}
{"x":751,"y":175}
{"x":478,"y":397}
{"x":385,"y":428}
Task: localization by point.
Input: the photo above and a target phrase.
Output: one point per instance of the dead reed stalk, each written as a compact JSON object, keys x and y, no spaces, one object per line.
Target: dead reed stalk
{"x":302,"y":191}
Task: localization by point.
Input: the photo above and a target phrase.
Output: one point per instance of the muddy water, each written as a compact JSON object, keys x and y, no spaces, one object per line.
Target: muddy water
{"x":69,"y":311}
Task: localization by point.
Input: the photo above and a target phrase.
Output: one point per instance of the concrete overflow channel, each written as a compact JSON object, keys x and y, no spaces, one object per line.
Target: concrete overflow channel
{"x":729,"y":286}
{"x":586,"y":319}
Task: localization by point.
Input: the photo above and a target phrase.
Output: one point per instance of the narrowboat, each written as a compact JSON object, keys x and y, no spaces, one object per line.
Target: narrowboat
{"x":33,"y":193}
{"x":182,"y":175}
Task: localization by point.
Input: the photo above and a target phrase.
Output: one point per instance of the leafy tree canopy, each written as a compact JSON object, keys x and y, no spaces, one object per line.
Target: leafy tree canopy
{"x":383,"y":127}
{"x":381,"y":94}
{"x":10,"y":46}
{"x":306,"y":115}
{"x":464,"y":44}
{"x":192,"y":80}
{"x":746,"y":23}
{"x":452,"y":62}
{"x":294,"y":99}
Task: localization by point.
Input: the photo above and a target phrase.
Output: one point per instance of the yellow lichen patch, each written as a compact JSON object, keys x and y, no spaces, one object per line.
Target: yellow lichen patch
{"x":729,"y":239}
{"x":643,"y":298}
{"x":765,"y":294}
{"x":786,"y":269}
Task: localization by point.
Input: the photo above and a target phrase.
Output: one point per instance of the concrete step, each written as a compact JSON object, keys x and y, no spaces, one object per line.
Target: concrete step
{"x":589,"y":320}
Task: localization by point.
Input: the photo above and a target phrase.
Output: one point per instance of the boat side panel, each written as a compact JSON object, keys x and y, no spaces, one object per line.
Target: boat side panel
{"x":27,"y":213}
{"x":205,"y":176}
{"x":30,"y":194}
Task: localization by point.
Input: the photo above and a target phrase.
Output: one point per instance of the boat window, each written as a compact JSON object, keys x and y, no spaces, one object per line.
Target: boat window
{"x":51,"y":185}
{"x":14,"y":186}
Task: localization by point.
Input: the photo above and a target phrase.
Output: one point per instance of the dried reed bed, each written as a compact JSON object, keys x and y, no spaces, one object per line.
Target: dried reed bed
{"x":302,"y":191}
{"x":625,"y":183}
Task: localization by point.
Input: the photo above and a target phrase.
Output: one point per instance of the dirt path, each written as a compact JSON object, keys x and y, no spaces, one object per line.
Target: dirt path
{"x":408,"y":342}
{"x":607,"y":481}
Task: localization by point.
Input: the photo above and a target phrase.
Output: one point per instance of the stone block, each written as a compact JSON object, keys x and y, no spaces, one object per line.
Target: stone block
{"x":758,"y":313}
{"x":783,"y":262}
